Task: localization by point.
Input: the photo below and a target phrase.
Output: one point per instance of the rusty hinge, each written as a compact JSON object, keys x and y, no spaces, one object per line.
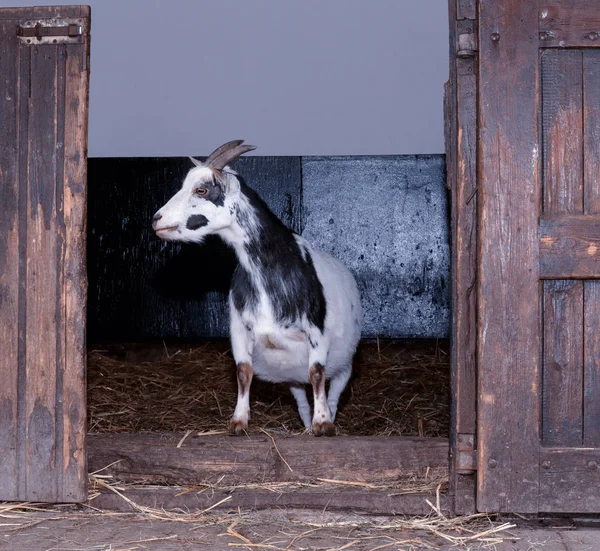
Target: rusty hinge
{"x":466,"y":456}
{"x":467,"y":38}
{"x":51,"y":31}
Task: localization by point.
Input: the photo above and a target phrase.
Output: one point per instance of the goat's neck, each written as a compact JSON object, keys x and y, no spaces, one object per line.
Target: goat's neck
{"x":254,"y":227}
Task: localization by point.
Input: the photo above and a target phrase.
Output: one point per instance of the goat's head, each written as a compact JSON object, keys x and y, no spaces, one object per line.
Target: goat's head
{"x":205,"y":203}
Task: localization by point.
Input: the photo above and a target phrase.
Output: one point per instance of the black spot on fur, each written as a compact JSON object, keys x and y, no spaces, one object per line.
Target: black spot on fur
{"x":243,"y":292}
{"x":214,"y":193}
{"x":196,"y":221}
{"x":288,"y":273}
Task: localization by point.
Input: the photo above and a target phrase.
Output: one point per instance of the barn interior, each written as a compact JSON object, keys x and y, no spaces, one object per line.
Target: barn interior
{"x":159,"y":359}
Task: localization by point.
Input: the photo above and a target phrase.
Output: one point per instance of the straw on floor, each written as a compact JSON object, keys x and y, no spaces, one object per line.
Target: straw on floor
{"x":396,"y":389}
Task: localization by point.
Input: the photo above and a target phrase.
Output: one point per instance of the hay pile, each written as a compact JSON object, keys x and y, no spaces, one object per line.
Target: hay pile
{"x":396,"y":389}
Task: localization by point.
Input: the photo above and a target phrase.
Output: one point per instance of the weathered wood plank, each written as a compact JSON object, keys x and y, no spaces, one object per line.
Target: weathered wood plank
{"x":591,"y":387}
{"x":156,"y":459}
{"x":562,"y":422}
{"x":508,"y":334}
{"x":591,"y":111}
{"x":74,"y":289}
{"x":42,"y":267}
{"x":364,"y":500}
{"x":35,"y":12}
{"x":591,"y":368}
{"x":24,"y":59}
{"x":562,"y":251}
{"x":465,"y":254}
{"x":9,"y":262}
{"x":33,"y":112}
{"x":569,"y":23}
{"x":570,"y":247}
{"x":462,"y":176}
{"x":562,"y":131}
{"x":569,"y":480}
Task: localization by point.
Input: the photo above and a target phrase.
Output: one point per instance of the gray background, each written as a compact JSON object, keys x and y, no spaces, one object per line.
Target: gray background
{"x":295,"y":77}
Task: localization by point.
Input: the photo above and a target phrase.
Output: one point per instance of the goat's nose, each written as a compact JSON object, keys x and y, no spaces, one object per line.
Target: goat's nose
{"x":155,"y":219}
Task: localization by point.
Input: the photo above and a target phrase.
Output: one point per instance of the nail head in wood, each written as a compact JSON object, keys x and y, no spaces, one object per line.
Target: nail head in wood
{"x":492,"y":463}
{"x":545,"y":464}
{"x":592,"y":465}
{"x":495,"y":37}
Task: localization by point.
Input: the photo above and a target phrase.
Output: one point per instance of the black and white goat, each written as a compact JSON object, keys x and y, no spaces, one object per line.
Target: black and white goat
{"x":296,"y":315}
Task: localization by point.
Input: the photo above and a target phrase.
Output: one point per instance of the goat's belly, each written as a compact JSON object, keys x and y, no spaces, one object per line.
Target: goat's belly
{"x":280,"y":359}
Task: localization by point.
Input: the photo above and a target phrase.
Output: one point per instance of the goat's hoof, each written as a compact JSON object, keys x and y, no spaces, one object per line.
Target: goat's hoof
{"x":237,"y":428}
{"x":323,"y":429}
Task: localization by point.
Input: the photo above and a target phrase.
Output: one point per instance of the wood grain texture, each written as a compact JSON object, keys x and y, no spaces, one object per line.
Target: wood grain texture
{"x":591,"y":113}
{"x":570,"y":247}
{"x":591,"y":108}
{"x":42,"y":267}
{"x":562,"y":131}
{"x":155,"y":459}
{"x":562,"y":422}
{"x":569,"y":480}
{"x":9,"y":263}
{"x":74,"y":298}
{"x":569,"y":23}
{"x":38,"y":76}
{"x":461,"y":162}
{"x":508,"y":334}
{"x":363,"y":500}
{"x":39,"y":12}
{"x":563,"y":252}
{"x":591,"y":364}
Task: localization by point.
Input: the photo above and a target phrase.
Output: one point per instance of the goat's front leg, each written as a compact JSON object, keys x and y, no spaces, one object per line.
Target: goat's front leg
{"x":322,"y":423}
{"x":242,"y":344}
{"x":239,"y":421}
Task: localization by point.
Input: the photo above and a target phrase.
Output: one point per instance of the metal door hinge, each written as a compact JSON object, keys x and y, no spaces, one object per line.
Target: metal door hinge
{"x":51,"y":31}
{"x":466,"y":456}
{"x":467,"y":38}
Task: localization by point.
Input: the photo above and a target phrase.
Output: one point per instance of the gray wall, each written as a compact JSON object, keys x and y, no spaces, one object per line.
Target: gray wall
{"x":295,"y":77}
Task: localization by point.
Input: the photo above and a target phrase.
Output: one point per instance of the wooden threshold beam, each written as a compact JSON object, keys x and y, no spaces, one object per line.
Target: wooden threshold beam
{"x":156,"y":459}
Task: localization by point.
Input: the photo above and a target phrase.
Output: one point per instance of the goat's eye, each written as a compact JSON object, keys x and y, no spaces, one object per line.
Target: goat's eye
{"x":200,"y":191}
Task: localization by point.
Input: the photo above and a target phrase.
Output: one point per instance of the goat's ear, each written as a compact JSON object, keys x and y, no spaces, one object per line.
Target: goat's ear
{"x":196,"y":162}
{"x":232,"y":185}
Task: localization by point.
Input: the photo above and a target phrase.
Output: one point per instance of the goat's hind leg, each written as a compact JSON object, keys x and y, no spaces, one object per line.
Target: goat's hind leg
{"x":299,"y":392}
{"x":337,"y":385}
{"x":322,"y":423}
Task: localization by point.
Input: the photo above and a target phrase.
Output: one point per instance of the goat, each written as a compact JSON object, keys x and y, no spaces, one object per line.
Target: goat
{"x":296,"y":315}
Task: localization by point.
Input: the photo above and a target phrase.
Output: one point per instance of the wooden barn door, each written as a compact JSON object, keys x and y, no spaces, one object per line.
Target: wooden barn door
{"x":539,"y":256}
{"x":43,"y":116}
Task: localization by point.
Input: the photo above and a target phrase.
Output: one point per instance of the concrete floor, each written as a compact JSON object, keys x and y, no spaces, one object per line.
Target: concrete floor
{"x":70,"y":530}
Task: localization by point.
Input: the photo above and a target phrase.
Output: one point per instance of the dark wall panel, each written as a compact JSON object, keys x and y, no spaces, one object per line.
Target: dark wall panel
{"x":142,"y":288}
{"x":385,"y":217}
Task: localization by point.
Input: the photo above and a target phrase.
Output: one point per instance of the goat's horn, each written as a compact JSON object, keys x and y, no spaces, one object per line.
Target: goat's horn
{"x":196,"y":161}
{"x":221,"y":149}
{"x":223,"y":159}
